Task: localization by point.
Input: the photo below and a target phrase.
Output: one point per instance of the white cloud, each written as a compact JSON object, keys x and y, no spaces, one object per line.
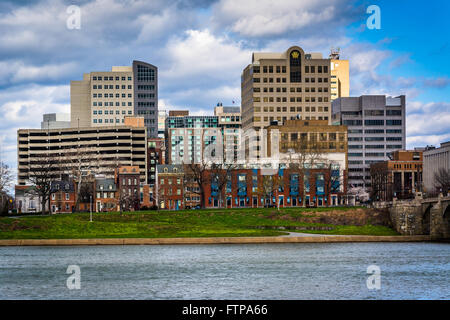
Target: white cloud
{"x":256,"y":18}
{"x":23,"y":107}
{"x":203,"y":54}
{"x":17,"y":71}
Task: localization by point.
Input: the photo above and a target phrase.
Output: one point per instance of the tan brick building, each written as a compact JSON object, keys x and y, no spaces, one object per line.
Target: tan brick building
{"x":399,"y":177}
{"x":281,"y":86}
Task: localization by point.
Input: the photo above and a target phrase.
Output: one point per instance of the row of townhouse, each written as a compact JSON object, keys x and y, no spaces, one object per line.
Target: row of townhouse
{"x":99,"y":194}
{"x":251,"y":187}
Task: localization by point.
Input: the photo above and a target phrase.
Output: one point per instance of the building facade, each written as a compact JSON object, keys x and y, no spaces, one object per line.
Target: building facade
{"x":105,"y":98}
{"x":156,"y":155}
{"x":376,"y":127}
{"x":63,"y":197}
{"x":55,"y":121}
{"x":281,"y":86}
{"x":188,"y":136}
{"x":27,"y":200}
{"x":98,"y":150}
{"x":105,"y":195}
{"x":399,"y":177}
{"x":230,"y":123}
{"x":284,"y":187}
{"x":340,"y":79}
{"x":162,"y":115}
{"x":435,"y":159}
{"x":129,"y":187}
{"x":170,"y":187}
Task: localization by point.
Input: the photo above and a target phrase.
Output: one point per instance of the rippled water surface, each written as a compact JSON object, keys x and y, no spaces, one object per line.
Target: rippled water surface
{"x":260,"y":271}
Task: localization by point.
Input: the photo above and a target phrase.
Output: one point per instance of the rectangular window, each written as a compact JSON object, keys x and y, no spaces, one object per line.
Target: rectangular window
{"x":374,"y":122}
{"x":393,"y":112}
{"x":393,"y":122}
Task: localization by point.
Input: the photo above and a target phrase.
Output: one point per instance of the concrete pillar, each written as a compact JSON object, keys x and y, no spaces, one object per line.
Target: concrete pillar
{"x":402,"y":174}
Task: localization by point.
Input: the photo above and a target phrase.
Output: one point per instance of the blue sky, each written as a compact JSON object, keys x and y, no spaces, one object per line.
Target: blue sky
{"x":201,"y":48}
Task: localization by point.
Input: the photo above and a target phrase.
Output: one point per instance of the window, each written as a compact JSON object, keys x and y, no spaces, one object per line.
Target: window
{"x":374,"y":122}
{"x":393,"y":122}
{"x":393,"y":131}
{"x":394,"y":139}
{"x":352,"y":123}
{"x":374,"y":138}
{"x":393,"y":112}
{"x":374,"y":112}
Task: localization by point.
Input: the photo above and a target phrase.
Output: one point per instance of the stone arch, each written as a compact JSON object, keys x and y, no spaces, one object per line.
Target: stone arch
{"x":446,"y":220}
{"x":426,"y":220}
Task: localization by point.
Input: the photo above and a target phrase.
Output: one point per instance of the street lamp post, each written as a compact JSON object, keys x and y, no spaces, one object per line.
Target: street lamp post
{"x":90,"y":207}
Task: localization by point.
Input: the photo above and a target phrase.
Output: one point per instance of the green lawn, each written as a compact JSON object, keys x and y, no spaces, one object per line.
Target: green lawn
{"x":186,"y":223}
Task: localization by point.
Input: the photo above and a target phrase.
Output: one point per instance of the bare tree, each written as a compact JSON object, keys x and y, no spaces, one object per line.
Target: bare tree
{"x":126,"y":200}
{"x":333,"y":180}
{"x":81,"y":164}
{"x":195,"y":174}
{"x":268,"y":186}
{"x":359,"y":193}
{"x":382,"y":187}
{"x":219,"y":175}
{"x":6,"y":177}
{"x":6,"y":181}
{"x":302,"y":157}
{"x":42,"y":172}
{"x":442,"y":180}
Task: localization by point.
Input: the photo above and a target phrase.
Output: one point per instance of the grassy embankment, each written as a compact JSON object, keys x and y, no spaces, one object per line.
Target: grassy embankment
{"x":195,"y":223}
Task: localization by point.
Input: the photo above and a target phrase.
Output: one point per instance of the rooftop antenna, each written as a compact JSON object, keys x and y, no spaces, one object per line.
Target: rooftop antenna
{"x":335,"y":53}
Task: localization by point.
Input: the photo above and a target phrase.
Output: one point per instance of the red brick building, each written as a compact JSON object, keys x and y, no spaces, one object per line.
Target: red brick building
{"x":106,"y":196}
{"x":170,"y":186}
{"x":63,"y":197}
{"x":128,"y":187}
{"x":284,"y":188}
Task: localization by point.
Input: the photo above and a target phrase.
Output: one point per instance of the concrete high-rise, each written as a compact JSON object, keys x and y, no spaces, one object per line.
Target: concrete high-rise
{"x":376,"y":128}
{"x":101,"y":149}
{"x":104,"y":98}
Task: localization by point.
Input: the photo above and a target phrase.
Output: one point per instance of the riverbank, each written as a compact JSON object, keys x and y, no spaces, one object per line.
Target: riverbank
{"x":258,"y":222}
{"x":215,"y":240}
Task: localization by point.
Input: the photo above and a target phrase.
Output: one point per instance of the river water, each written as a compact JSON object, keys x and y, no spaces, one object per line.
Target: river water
{"x":259,"y":271}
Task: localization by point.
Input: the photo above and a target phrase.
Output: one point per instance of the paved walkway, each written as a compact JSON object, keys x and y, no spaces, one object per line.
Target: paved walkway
{"x":298,"y":234}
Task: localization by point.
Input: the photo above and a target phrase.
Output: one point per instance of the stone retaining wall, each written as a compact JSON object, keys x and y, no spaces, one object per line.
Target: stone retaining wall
{"x":218,"y":240}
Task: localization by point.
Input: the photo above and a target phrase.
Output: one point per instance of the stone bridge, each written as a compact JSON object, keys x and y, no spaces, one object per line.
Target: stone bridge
{"x":421,"y":216}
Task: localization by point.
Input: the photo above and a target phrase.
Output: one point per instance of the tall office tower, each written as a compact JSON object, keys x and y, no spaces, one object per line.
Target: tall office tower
{"x":376,"y":127}
{"x":284,"y":86}
{"x":187,"y":137}
{"x":280,"y":86}
{"x":104,"y":98}
{"x":340,"y":80}
{"x":230,"y":122}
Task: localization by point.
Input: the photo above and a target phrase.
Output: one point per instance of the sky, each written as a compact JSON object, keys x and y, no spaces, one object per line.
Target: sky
{"x":201,"y":47}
